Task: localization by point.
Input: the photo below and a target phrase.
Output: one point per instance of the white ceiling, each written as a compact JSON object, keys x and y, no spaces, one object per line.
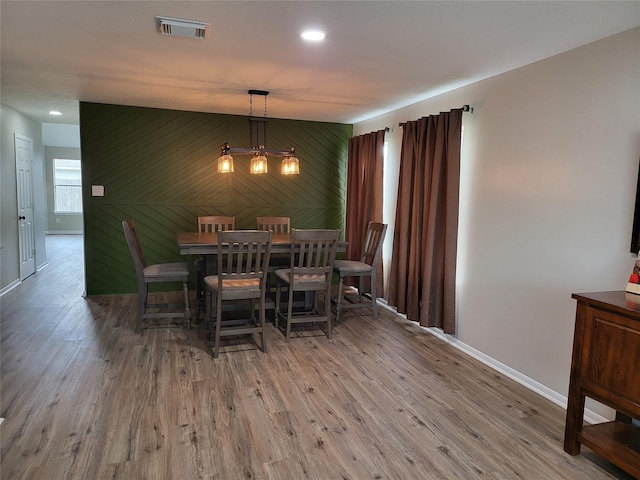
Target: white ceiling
{"x":377,"y":56}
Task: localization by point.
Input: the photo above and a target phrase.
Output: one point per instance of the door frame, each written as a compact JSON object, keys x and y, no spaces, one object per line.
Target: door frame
{"x":25,"y":211}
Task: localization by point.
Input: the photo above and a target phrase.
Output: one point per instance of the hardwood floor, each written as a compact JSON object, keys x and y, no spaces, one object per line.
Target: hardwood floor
{"x":84,"y":397}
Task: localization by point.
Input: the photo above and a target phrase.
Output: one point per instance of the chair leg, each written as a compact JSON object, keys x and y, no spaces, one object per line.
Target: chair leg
{"x":207,"y":267}
{"x":374,"y":302}
{"x":208,"y":313}
{"x":216,"y":346}
{"x":142,"y":306}
{"x":316,"y":302}
{"x":289,"y":313}
{"x":262,"y":325}
{"x":327,"y":309}
{"x":187,"y":310}
{"x":277,"y":305}
{"x":252,"y":310}
{"x":268,"y":287}
{"x":339,"y":300}
{"x":200,"y":293}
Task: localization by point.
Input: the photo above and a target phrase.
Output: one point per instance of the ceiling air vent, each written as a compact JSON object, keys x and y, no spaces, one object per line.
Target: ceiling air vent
{"x":178,"y":27}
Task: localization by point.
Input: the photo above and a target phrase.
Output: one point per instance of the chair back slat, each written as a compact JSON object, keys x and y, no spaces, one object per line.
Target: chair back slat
{"x":133,"y":242}
{"x":373,"y":243}
{"x":275,"y":224}
{"x":215,"y":223}
{"x":315,"y":251}
{"x":243,"y":254}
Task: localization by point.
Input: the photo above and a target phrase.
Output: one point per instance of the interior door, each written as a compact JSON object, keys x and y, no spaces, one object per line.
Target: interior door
{"x":26,"y":233}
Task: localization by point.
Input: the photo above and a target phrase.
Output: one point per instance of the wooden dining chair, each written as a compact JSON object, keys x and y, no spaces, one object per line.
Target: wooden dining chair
{"x":208,"y":224}
{"x":215,"y":223}
{"x":161,"y":272}
{"x":364,"y":268}
{"x":243,"y":257}
{"x":275,"y":224}
{"x":310,"y":270}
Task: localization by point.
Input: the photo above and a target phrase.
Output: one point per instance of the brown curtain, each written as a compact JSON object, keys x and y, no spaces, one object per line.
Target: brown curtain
{"x":423,"y":263}
{"x":364,"y":193}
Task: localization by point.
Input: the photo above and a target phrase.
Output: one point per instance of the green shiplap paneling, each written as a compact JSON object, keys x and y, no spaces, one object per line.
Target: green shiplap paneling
{"x":159,"y":168}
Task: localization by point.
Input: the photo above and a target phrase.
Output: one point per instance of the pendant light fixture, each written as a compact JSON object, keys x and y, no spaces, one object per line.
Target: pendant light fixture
{"x":225,"y":163}
{"x":258,"y":139}
{"x":290,"y":165}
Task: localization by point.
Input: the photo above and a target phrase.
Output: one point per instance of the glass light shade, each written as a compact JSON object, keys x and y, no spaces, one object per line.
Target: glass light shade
{"x":290,"y":166}
{"x":258,"y":164}
{"x":225,"y":164}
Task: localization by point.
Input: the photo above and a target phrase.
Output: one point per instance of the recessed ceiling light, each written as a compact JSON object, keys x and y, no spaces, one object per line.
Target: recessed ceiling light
{"x":313,"y":35}
{"x":55,"y":112}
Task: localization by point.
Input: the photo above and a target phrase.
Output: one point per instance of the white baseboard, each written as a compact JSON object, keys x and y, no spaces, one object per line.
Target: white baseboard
{"x":64,"y":232}
{"x":9,"y":287}
{"x":15,"y":283}
{"x":561,"y":400}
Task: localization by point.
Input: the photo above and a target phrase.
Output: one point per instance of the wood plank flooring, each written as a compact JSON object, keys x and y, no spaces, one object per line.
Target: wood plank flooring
{"x":84,"y":397}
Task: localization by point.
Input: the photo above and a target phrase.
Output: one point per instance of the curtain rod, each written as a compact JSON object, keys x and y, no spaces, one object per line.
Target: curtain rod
{"x":464,"y":108}
{"x":386,"y":129}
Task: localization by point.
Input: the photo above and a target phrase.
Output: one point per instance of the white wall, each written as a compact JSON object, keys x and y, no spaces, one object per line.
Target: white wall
{"x":13,"y":122}
{"x":60,"y":135}
{"x":549,"y":170}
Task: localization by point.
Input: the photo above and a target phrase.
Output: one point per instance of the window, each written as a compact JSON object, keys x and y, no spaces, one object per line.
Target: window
{"x":385,"y":154}
{"x":67,"y":184}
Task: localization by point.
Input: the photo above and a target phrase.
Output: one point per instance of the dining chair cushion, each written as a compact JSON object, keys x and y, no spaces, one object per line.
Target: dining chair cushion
{"x":351,"y":266}
{"x":241,"y":284}
{"x":285,"y":274}
{"x":163,"y":270}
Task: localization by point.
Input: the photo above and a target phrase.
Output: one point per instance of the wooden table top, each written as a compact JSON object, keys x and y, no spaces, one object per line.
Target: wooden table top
{"x":619,"y":301}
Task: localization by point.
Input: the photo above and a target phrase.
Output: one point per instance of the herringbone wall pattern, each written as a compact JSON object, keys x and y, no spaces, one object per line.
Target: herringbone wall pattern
{"x":159,"y":168}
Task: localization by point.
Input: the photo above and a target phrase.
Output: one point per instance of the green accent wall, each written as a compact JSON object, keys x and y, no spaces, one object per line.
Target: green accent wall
{"x":159,"y":168}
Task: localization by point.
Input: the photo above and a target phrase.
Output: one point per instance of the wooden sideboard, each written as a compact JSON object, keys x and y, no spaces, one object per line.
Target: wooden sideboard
{"x":605,"y":366}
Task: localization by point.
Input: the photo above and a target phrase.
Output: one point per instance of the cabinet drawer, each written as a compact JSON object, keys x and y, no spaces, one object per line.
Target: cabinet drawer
{"x":613,"y":357}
